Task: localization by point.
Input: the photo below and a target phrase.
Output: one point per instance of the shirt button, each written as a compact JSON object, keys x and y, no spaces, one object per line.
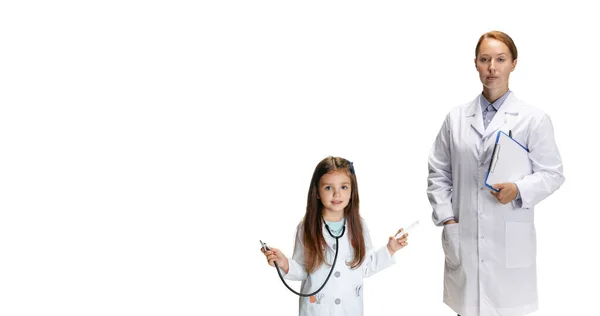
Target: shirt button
{"x":337,"y":274}
{"x":338,"y":301}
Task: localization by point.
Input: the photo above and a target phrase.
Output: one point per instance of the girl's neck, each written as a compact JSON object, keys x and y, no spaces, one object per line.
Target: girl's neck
{"x":333,"y":217}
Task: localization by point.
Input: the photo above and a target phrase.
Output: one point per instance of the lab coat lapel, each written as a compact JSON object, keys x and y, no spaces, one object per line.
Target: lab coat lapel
{"x":508,"y":109}
{"x":475,"y":116}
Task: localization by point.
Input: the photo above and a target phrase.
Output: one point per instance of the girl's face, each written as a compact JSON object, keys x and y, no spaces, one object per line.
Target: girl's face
{"x":494,"y":64}
{"x":334,"y":192}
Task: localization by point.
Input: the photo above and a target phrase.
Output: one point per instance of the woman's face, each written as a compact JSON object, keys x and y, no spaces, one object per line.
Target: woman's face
{"x":494,"y":64}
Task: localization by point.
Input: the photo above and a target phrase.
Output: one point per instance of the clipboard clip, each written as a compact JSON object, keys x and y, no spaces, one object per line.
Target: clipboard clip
{"x":495,"y":158}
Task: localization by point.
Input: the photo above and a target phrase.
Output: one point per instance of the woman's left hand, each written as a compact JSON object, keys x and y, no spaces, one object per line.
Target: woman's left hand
{"x":508,"y":192}
{"x":395,"y":244}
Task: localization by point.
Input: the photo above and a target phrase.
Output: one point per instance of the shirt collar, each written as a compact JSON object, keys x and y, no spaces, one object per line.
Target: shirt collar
{"x":484,"y":102}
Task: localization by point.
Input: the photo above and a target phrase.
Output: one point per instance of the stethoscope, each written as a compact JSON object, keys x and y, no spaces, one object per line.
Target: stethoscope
{"x":336,"y":246}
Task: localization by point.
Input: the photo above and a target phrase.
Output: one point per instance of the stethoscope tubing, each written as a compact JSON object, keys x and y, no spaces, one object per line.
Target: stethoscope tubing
{"x":337,"y":238}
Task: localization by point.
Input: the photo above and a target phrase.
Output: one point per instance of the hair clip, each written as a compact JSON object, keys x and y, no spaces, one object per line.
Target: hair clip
{"x":351,"y":167}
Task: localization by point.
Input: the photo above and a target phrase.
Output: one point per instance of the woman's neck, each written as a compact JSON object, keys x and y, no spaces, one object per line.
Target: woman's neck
{"x":494,"y":94}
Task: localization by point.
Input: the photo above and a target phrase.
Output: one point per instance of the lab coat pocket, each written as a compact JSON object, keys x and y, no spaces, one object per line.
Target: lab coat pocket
{"x":520,"y":244}
{"x":451,"y":244}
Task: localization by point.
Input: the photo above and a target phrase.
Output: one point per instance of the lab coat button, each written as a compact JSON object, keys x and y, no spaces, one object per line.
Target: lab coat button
{"x":337,"y":274}
{"x":338,"y":301}
{"x":481,"y":188}
{"x":481,"y":260}
{"x":334,"y":246}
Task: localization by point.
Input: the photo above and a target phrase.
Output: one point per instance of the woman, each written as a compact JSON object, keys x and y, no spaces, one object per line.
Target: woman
{"x":489,"y":237}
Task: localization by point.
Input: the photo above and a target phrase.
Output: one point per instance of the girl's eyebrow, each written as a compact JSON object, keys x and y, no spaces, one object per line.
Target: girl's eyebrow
{"x":332,"y":183}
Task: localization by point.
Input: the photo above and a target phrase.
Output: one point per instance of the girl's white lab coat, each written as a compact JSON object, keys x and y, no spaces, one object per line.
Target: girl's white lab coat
{"x":491,"y":253}
{"x":343,"y":294}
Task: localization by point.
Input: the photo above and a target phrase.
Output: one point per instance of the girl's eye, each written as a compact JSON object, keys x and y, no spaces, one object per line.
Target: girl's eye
{"x":327,"y":188}
{"x":345,"y":187}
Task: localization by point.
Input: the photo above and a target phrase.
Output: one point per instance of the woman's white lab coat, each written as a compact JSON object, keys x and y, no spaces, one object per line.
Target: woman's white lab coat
{"x":343,"y":294}
{"x":490,"y":255}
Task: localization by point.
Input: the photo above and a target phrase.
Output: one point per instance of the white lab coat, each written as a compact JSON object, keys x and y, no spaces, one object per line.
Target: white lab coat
{"x":343,"y":293}
{"x":490,"y":255}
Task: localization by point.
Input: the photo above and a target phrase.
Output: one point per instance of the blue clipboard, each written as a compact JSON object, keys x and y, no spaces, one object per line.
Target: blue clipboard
{"x":510,"y":161}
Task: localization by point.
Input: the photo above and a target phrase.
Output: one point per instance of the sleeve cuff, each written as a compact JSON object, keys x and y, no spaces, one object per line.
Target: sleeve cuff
{"x":448,"y":219}
{"x":517,"y":202}
{"x":442,"y":213}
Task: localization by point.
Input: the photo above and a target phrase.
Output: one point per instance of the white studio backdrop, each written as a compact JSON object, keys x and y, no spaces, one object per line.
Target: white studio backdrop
{"x":147,"y":146}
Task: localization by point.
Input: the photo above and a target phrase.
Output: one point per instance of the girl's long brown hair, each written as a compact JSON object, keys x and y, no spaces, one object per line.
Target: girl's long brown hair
{"x":314,"y":242}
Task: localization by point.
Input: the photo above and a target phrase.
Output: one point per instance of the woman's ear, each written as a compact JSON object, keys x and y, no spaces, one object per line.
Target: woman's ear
{"x":514,"y":63}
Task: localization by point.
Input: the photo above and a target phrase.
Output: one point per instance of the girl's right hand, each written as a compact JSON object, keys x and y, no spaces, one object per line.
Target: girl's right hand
{"x":275,"y":255}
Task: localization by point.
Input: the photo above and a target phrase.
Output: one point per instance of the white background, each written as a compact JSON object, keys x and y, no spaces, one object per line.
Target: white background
{"x":147,"y":146}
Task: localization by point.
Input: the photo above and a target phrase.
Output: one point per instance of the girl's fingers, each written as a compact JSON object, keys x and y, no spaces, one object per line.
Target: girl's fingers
{"x":403,"y":236}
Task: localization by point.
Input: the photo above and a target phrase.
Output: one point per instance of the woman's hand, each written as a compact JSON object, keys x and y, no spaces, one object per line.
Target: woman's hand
{"x":275,"y":255}
{"x":395,"y":244}
{"x":508,"y":192}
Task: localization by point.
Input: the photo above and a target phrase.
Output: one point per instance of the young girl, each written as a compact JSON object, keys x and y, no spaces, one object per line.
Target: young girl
{"x":333,"y":201}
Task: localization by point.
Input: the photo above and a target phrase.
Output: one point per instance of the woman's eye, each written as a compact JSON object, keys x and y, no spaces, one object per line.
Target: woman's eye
{"x":483,"y":60}
{"x":501,"y":60}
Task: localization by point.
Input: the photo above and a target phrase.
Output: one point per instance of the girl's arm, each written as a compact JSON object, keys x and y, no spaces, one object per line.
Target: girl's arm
{"x":375,"y":260}
{"x":297,"y":268}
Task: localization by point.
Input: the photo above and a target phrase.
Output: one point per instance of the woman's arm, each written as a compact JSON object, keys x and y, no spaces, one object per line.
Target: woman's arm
{"x":439,"y":180}
{"x":546,"y":163}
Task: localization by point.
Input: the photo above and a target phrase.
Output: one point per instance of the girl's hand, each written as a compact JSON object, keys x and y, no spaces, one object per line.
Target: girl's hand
{"x":275,"y":255}
{"x":395,"y":244}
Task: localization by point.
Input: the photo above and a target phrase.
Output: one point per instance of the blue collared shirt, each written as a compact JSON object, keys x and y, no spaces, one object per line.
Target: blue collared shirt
{"x":489,"y":109}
